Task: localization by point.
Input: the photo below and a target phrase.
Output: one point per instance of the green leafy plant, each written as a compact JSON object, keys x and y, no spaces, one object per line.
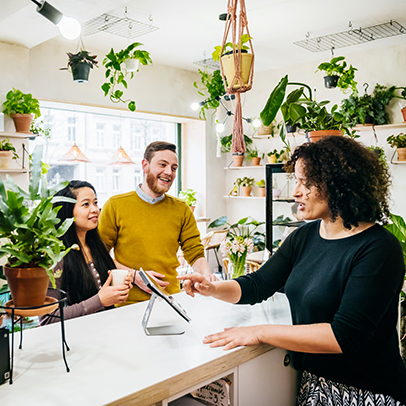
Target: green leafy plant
{"x":379,"y":151}
{"x":37,"y":127}
{"x":80,"y":57}
{"x":18,"y":102}
{"x":382,"y":95}
{"x":397,"y":141}
{"x":6,"y":145}
{"x":253,"y":153}
{"x":116,"y":74}
{"x":245,"y":181}
{"x":230,"y":46}
{"x":227,"y":140}
{"x":279,"y":155}
{"x":189,"y":196}
{"x":212,"y":89}
{"x":355,"y":109}
{"x":28,"y":220}
{"x":261,"y":183}
{"x":346,"y":75}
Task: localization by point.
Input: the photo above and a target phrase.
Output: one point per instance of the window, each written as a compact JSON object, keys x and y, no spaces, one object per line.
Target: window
{"x":99,"y":132}
{"x":116,"y":180}
{"x":71,"y":129}
{"x":99,"y":135}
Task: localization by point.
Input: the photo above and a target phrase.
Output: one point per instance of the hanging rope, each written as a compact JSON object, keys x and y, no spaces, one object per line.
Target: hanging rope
{"x":236,"y":85}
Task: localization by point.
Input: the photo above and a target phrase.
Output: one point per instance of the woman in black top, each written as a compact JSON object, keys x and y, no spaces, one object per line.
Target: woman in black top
{"x":342,"y":275}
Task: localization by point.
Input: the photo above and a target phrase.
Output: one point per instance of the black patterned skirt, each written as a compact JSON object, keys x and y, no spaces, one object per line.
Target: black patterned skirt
{"x":315,"y":391}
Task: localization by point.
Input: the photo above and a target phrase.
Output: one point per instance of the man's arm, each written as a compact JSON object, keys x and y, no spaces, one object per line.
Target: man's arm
{"x":201,"y":266}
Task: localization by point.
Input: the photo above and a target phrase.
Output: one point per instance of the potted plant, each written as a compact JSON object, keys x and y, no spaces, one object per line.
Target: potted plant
{"x":276,"y":156}
{"x":246,"y":186}
{"x":22,"y":108}
{"x":7,"y":152}
{"x":338,"y":74}
{"x":358,"y":110}
{"x":212,"y":90}
{"x":37,"y":128}
{"x":261,"y":187}
{"x":401,"y":96}
{"x":399,"y":142}
{"x":227,"y":61}
{"x":116,"y":72}
{"x":189,"y":197}
{"x":379,"y":151}
{"x":80,"y":64}
{"x":225,"y":143}
{"x":30,"y":238}
{"x":252,"y":155}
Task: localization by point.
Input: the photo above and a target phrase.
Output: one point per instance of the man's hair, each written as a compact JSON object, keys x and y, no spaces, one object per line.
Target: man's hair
{"x":158,"y":146}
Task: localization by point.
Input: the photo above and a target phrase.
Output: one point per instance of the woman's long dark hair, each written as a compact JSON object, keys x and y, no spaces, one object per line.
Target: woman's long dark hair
{"x":77,"y":280}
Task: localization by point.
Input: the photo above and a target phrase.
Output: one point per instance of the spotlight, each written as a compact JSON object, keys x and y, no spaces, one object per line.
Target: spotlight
{"x":69,"y":27}
{"x":220,"y":127}
{"x":195,"y":106}
{"x":228,"y":97}
{"x":256,"y":122}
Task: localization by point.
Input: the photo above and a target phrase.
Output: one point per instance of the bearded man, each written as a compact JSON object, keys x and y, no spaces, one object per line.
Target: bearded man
{"x":146,"y":227}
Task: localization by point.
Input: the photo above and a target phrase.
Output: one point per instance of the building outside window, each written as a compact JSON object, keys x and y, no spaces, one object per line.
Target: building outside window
{"x":99,"y":135}
{"x":116,"y":180}
{"x":137,"y":178}
{"x":72,"y":129}
{"x":116,"y":136}
{"x":100,"y":187}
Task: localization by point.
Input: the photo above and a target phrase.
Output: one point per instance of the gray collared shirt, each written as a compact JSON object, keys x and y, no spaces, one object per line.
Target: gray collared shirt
{"x":147,"y":198}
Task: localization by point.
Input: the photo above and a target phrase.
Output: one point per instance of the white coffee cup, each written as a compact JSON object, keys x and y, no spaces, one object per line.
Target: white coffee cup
{"x":118,"y":276}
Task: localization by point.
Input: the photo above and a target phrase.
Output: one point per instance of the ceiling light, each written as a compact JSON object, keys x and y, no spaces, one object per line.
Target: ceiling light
{"x":74,"y":155}
{"x":121,"y":158}
{"x":256,"y":122}
{"x":69,"y":27}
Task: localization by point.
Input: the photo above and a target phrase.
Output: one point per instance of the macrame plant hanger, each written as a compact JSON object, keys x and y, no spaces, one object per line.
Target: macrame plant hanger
{"x":236,"y":84}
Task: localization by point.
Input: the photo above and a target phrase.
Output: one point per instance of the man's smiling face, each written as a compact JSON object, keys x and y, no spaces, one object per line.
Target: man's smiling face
{"x":160,"y":172}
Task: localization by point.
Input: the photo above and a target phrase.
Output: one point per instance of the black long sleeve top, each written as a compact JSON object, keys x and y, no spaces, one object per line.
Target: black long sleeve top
{"x":351,"y":283}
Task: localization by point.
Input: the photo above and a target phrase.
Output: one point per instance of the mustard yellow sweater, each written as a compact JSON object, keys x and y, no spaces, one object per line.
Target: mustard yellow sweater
{"x":148,"y":236}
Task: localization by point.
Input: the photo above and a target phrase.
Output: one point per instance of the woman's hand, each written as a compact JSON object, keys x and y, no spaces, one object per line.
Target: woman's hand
{"x":234,"y":337}
{"x":156,"y":276}
{"x":196,"y":283}
{"x":111,"y":295}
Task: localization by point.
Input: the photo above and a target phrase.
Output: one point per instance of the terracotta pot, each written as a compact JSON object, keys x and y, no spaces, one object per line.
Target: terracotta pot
{"x":238,"y":159}
{"x":229,"y":71}
{"x":401,"y":154}
{"x":272,"y":159}
{"x":246,"y":191}
{"x":5,"y":159}
{"x":261,"y":191}
{"x":404,"y":114}
{"x":314,"y":136}
{"x":256,"y":161}
{"x":192,"y":208}
{"x":28,"y":286}
{"x":22,"y":122}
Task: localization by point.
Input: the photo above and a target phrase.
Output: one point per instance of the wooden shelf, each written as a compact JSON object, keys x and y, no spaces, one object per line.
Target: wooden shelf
{"x":13,"y":170}
{"x":394,"y":126}
{"x":236,"y":168}
{"x":16,"y":135}
{"x":245,"y":197}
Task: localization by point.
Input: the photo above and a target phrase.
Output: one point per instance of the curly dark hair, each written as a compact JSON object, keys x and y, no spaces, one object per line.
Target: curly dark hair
{"x":351,"y":178}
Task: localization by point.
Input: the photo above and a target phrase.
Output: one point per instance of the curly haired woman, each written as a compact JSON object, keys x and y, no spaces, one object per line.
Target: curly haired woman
{"x":342,"y":275}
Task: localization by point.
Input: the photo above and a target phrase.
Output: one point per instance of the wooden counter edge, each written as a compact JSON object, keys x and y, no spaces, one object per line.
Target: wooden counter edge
{"x":176,"y":384}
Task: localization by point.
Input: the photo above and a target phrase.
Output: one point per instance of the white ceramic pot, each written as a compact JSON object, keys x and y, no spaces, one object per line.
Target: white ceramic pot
{"x":132,"y":65}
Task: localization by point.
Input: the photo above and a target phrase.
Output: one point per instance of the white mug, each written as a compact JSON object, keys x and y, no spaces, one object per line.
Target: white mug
{"x":118,"y":276}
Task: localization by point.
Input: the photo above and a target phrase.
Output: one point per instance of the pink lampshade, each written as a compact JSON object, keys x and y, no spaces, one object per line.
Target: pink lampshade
{"x":74,"y":155}
{"x":121,"y":158}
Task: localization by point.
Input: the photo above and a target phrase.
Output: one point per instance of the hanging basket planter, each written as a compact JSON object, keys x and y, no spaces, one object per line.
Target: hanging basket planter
{"x":330,"y":82}
{"x":229,"y":70}
{"x":81,"y":73}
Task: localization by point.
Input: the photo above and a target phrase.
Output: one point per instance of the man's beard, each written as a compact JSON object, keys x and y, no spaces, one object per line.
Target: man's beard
{"x":152,"y":182}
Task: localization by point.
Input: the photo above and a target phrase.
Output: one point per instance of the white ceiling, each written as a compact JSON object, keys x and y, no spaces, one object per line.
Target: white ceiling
{"x":189,"y":29}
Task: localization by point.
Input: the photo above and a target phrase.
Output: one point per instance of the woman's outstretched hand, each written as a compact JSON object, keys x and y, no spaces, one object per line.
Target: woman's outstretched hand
{"x":234,"y":337}
{"x":196,"y":283}
{"x":111,"y":295}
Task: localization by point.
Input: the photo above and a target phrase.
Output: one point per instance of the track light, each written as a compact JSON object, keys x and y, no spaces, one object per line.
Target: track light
{"x":69,"y":27}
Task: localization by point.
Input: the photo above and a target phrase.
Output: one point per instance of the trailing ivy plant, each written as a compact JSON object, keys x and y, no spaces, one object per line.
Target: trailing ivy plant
{"x":212,"y":90}
{"x":116,"y":73}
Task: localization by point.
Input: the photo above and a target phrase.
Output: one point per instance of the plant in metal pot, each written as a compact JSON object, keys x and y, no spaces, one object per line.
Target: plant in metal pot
{"x":30,"y":231}
{"x":79,"y":64}
{"x":22,"y":108}
{"x":212,"y":89}
{"x":338,"y":74}
{"x":117,"y":74}
{"x":188,"y":196}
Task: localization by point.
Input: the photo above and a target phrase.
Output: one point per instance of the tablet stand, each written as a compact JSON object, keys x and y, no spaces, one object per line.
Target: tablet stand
{"x":160,"y":330}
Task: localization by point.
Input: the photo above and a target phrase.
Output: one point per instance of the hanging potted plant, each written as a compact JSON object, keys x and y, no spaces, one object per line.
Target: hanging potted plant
{"x":22,"y":108}
{"x":30,"y":239}
{"x":7,"y":153}
{"x":398,"y":142}
{"x":338,"y":75}
{"x":189,"y":197}
{"x":212,"y":90}
{"x":117,"y":73}
{"x":227,"y":60}
{"x":80,"y":64}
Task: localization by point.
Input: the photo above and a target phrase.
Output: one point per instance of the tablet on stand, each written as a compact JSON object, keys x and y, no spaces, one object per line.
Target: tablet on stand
{"x":157,"y":291}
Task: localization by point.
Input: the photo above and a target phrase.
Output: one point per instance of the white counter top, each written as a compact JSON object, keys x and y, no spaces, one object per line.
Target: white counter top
{"x":111,"y":358}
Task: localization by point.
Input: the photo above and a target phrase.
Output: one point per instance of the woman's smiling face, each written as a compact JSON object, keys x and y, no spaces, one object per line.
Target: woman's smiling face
{"x":86,"y":210}
{"x":312,"y":205}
